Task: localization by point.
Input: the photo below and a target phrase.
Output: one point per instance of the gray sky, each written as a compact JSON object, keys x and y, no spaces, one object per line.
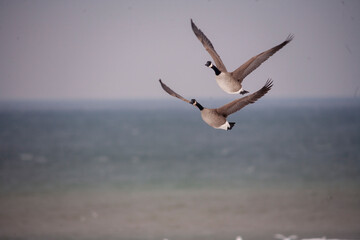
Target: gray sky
{"x":119,"y":49}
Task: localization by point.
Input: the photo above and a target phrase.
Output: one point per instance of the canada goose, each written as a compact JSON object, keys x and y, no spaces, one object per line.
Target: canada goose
{"x":216,"y":117}
{"x":230,"y":82}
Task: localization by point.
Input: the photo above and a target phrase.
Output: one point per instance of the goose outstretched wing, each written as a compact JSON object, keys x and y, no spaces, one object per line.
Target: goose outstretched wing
{"x":171,"y":92}
{"x":241,"y":72}
{"x":209,"y":47}
{"x":238,"y":104}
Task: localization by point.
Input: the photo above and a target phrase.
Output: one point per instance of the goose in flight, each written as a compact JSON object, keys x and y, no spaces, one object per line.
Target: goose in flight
{"x":216,"y":117}
{"x":231,"y":82}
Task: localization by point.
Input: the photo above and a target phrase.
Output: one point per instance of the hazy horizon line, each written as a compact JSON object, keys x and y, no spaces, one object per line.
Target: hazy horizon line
{"x":163,"y":103}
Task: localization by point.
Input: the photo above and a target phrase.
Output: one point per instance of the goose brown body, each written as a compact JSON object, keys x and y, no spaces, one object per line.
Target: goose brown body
{"x":213,"y":118}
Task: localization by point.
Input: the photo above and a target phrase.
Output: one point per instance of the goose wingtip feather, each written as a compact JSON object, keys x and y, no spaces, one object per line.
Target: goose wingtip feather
{"x":269,"y":83}
{"x":290,"y":37}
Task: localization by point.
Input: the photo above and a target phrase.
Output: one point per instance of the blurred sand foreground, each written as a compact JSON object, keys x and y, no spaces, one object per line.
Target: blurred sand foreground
{"x":180,"y":214}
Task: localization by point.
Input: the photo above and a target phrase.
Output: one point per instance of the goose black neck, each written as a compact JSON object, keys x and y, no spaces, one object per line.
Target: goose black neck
{"x":199,"y":106}
{"x":216,"y":70}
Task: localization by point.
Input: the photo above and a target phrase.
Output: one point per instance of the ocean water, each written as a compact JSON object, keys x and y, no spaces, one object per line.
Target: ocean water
{"x":107,"y":170}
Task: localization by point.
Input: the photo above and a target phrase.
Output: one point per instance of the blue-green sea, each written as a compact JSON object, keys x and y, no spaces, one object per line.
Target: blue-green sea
{"x":153,"y":170}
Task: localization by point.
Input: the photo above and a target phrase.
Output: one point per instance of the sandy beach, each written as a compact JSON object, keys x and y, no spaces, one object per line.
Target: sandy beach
{"x":180,"y":214}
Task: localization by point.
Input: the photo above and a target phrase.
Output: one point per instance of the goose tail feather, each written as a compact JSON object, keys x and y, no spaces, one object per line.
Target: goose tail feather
{"x":232,"y":124}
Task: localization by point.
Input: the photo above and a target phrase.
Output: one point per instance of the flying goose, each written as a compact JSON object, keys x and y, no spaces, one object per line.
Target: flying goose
{"x":230,"y":82}
{"x":216,"y":117}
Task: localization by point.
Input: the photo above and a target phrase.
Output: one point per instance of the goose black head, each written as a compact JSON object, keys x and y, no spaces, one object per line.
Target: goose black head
{"x":208,"y":64}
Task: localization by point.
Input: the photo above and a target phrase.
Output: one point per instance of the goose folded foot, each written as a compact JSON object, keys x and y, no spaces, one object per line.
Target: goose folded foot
{"x":244,"y":92}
